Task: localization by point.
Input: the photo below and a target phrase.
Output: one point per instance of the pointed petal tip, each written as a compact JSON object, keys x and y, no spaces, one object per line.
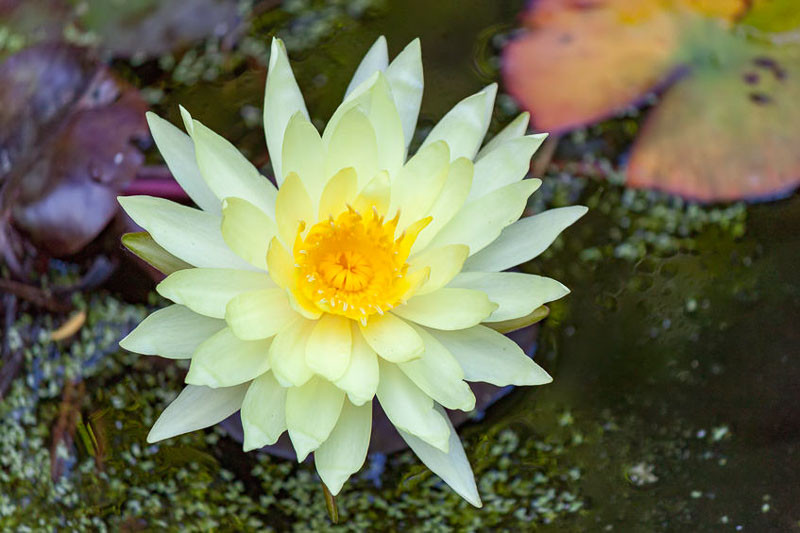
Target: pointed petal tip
{"x":303,"y":444}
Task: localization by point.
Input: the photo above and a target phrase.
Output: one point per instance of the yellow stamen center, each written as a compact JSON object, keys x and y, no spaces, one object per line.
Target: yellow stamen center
{"x":353,"y":265}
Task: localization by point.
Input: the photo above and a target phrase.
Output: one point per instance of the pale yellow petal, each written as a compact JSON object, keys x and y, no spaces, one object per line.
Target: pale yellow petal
{"x":438,"y":374}
{"x":392,"y":338}
{"x":329,"y":346}
{"x":263,"y":412}
{"x":259,"y":314}
{"x":419,"y":183}
{"x":247,"y":230}
{"x":224,"y":360}
{"x":515,"y":128}
{"x":208,"y":290}
{"x":447,"y":309}
{"x":388,"y":128}
{"x":311,"y":414}
{"x":293,"y":208}
{"x":376,"y":59}
{"x":374,"y":196}
{"x":353,"y":144}
{"x":360,"y":380}
{"x":340,"y":190}
{"x":287,"y":355}
{"x":174,"y":332}
{"x":444,"y":263}
{"x":405,"y":78}
{"x":345,"y":450}
{"x":304,"y":154}
{"x":410,"y":409}
{"x":506,"y":164}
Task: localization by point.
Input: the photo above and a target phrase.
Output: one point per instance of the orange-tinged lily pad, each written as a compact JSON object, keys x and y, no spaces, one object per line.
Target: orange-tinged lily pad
{"x":728,"y":126}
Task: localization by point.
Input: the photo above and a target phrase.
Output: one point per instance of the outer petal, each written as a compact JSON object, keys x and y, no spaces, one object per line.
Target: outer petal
{"x":345,"y":450}
{"x":448,"y":309}
{"x":524,"y":240}
{"x":486,"y":355}
{"x":329,"y":346}
{"x":353,"y":144}
{"x":287,"y":355}
{"x":187,"y":233}
{"x":174,"y":332}
{"x":450,"y":200}
{"x":247,"y":230}
{"x":147,"y":249}
{"x":444,"y":262}
{"x":453,"y":467}
{"x":417,"y":186}
{"x":228,"y":172}
{"x":376,"y":59}
{"x":506,"y":164}
{"x":208,"y":290}
{"x":196,"y":408}
{"x":311,"y":414}
{"x":177,"y":149}
{"x":263,"y":412}
{"x":410,"y":409}
{"x":464,"y":126}
{"x":392,"y":338}
{"x":516,"y":128}
{"x":439,"y":375}
{"x":517,"y":294}
{"x":480,"y":222}
{"x":360,"y":380}
{"x":292,"y":208}
{"x":225,"y":360}
{"x":259,"y":314}
{"x":405,"y":78}
{"x":282,"y":99}
{"x":304,"y":154}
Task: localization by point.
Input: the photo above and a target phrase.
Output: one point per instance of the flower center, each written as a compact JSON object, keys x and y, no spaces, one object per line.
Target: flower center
{"x":353,"y":266}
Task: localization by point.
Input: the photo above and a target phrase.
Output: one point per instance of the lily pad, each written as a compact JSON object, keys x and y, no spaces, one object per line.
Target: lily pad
{"x":727,"y":125}
{"x":67,"y":146}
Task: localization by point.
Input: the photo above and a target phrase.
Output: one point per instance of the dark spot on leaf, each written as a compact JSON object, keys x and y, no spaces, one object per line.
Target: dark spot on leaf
{"x":764,"y":62}
{"x":751,"y":78}
{"x":760,"y":98}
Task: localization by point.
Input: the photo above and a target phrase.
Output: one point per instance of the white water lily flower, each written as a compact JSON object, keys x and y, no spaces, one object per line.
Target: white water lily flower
{"x":364,"y":274}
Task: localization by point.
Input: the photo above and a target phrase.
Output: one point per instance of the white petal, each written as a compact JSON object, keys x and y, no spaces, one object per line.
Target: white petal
{"x":453,"y":467}
{"x":417,"y":186}
{"x":228,"y":173}
{"x":504,"y":165}
{"x":360,"y":380}
{"x":247,"y":230}
{"x":345,"y":450}
{"x":353,"y":144}
{"x":259,"y":314}
{"x":516,"y":128}
{"x":388,"y":127}
{"x":263,"y":412}
{"x":174,"y":332}
{"x":225,"y":360}
{"x":329,"y":346}
{"x":410,"y":409}
{"x":287,"y":355}
{"x":282,"y":99}
{"x":404,"y":74}
{"x":486,"y":355}
{"x":392,"y":338}
{"x":447,"y":308}
{"x":187,"y":233}
{"x":304,"y":154}
{"x":480,"y":222}
{"x":208,"y":290}
{"x":464,"y":126}
{"x":524,"y":240}
{"x":293,"y":207}
{"x":311,"y":414}
{"x":376,"y":59}
{"x":197,"y":407}
{"x":177,"y":149}
{"x":439,"y":375}
{"x":444,"y":262}
{"x":517,"y":294}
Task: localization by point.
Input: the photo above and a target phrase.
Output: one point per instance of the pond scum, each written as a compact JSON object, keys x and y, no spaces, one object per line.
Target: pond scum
{"x":529,"y":466}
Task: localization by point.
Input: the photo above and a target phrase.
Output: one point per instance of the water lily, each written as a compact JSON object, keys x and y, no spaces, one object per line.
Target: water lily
{"x":365,"y":274}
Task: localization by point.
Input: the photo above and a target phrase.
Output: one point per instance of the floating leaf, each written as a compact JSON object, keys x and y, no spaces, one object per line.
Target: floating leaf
{"x":727,"y":127}
{"x":66,"y":132}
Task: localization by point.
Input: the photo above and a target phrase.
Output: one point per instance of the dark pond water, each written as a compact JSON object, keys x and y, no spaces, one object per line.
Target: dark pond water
{"x":675,"y":358}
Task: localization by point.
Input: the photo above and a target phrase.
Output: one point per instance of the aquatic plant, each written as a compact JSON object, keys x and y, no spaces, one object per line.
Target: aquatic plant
{"x":364,"y":274}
